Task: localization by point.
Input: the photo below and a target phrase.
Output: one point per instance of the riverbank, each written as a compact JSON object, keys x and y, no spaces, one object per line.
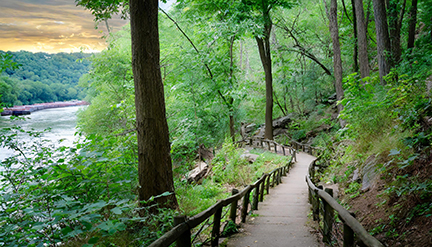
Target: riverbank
{"x":28,"y":109}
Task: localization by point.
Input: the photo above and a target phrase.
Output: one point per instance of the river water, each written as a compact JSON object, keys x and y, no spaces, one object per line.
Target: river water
{"x":62,"y":122}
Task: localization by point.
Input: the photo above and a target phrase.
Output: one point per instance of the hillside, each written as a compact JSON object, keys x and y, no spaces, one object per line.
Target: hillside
{"x":43,"y":77}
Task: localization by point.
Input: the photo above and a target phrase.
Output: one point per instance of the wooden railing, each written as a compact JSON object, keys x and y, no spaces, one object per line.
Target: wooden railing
{"x":270,"y":145}
{"x":323,"y":203}
{"x":315,"y":151}
{"x":181,"y":233}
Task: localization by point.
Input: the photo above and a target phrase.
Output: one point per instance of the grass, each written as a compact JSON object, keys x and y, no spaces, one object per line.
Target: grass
{"x":229,"y":170}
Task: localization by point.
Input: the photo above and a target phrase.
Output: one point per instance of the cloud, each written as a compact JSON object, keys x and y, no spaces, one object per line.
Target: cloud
{"x":50,"y":26}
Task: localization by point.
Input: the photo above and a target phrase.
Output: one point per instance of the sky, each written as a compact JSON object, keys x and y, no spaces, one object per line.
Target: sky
{"x":51,"y":26}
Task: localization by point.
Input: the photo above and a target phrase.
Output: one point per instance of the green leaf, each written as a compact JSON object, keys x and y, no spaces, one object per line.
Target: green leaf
{"x":394,"y":152}
{"x":116,"y":210}
{"x":66,"y":230}
{"x":93,"y":240}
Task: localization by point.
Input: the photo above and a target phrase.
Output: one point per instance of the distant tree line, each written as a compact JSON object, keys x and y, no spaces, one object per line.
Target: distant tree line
{"x":43,"y":77}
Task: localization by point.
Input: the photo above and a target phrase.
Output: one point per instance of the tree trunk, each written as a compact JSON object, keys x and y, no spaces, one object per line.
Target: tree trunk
{"x":362,"y":38}
{"x":383,"y":40}
{"x":154,"y":161}
{"x":337,"y":60}
{"x":265,"y":55}
{"x":231,"y":80}
{"x":395,"y":23}
{"x":412,"y":24}
{"x":356,"y":46}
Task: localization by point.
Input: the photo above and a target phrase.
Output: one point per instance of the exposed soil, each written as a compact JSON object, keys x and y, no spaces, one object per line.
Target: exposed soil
{"x":387,"y":215}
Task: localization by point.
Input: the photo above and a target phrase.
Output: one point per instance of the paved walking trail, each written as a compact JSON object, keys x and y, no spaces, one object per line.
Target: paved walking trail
{"x":283,"y":214}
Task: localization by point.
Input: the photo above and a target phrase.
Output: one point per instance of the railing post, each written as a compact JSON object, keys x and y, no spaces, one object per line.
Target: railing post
{"x":245,"y":206}
{"x":273,"y":180}
{"x":312,"y":171}
{"x":348,"y":234}
{"x":261,"y":198}
{"x":278,"y":176}
{"x":316,"y":204}
{"x":185,"y":239}
{"x":255,"y":197}
{"x":283,"y":150}
{"x":310,"y":199}
{"x":233,"y":212}
{"x":328,"y":218}
{"x":216,"y":227}
{"x":268,"y":183}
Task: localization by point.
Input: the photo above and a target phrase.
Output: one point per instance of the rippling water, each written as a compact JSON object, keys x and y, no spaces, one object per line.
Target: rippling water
{"x":62,"y":122}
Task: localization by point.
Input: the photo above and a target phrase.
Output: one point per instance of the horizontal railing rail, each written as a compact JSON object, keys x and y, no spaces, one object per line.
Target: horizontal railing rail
{"x":181,"y":232}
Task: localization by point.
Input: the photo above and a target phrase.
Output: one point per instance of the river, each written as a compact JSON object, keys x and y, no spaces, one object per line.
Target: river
{"x":62,"y":122}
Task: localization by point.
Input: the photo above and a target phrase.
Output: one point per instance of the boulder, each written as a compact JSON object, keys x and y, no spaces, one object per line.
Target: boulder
{"x":247,"y":129}
{"x":369,"y":172}
{"x":282,"y":122}
{"x":205,"y":154}
{"x":251,"y":158}
{"x":198,"y":172}
{"x":356,"y":176}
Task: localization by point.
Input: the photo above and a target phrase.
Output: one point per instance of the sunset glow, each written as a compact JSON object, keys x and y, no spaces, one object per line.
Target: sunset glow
{"x":51,"y":26}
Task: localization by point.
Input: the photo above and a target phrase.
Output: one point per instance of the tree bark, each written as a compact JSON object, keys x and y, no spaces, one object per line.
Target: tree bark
{"x":362,"y":38}
{"x":383,"y":40}
{"x":337,"y":60}
{"x":356,"y":46}
{"x":412,"y":24}
{"x":264,"y":51}
{"x":231,"y":99}
{"x":395,"y":23}
{"x":154,"y":161}
{"x":265,"y":55}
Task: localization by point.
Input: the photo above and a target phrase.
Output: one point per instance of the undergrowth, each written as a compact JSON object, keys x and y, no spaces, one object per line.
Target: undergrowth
{"x":229,"y":170}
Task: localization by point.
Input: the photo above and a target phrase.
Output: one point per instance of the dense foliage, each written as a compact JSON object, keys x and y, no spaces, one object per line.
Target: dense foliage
{"x":42,"y":77}
{"x":213,"y":80}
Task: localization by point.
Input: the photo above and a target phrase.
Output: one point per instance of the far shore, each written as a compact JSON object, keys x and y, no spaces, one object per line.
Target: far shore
{"x":28,"y":109}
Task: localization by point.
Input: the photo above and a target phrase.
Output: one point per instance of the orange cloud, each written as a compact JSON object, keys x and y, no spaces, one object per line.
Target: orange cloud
{"x":50,"y":26}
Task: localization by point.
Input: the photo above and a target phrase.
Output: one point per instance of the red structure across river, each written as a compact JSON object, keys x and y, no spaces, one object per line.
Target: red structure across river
{"x":28,"y":109}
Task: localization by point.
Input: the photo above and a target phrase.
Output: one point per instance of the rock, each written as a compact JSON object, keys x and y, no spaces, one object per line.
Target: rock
{"x":282,"y":122}
{"x":251,"y":158}
{"x":198,"y":173}
{"x":279,"y":131}
{"x":356,"y":176}
{"x":205,"y":154}
{"x":370,"y":173}
{"x":247,"y":129}
{"x":260,"y":132}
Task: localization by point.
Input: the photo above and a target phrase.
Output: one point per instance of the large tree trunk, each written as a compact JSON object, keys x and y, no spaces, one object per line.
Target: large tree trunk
{"x":395,"y":24}
{"x":154,"y":161}
{"x":412,"y":24}
{"x":265,"y":55}
{"x":362,"y":38}
{"x":383,"y":40}
{"x":337,"y":60}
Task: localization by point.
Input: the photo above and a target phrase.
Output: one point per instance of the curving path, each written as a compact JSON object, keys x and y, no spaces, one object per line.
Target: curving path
{"x":282,"y":217}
